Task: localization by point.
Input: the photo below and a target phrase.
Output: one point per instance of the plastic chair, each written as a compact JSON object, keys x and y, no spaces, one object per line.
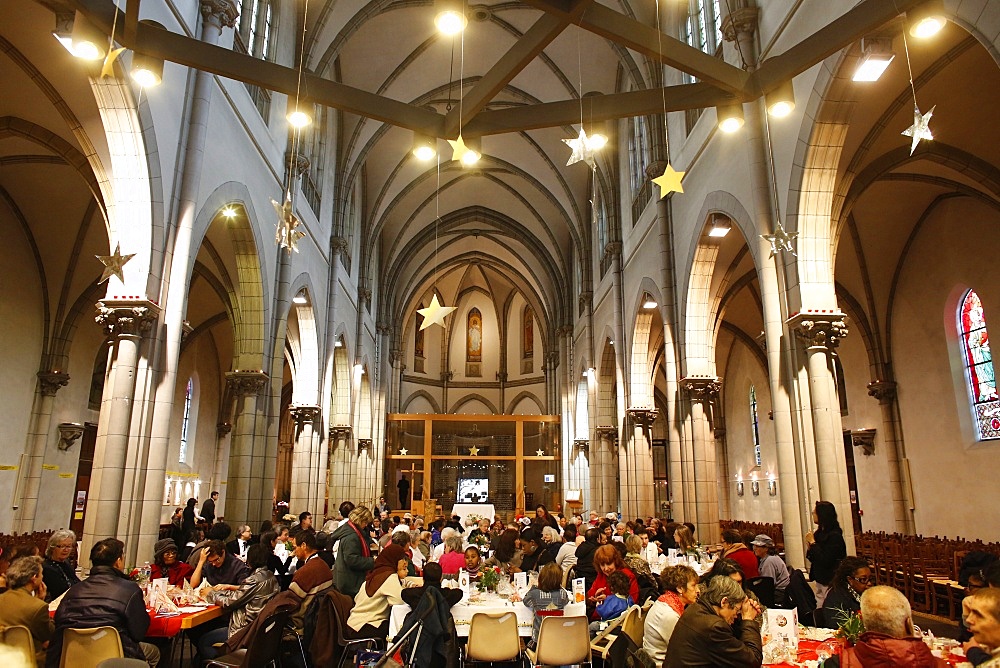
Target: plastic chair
{"x":562,"y":641}
{"x":19,"y":637}
{"x":601,"y":644}
{"x":87,"y":648}
{"x":123,"y":663}
{"x":493,"y":638}
{"x":264,"y":649}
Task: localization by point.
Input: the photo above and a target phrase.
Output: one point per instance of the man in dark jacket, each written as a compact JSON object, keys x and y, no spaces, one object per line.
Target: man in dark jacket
{"x":354,"y":556}
{"x":585,"y":556}
{"x":704,"y":635}
{"x":106,"y":598}
{"x":208,"y":508}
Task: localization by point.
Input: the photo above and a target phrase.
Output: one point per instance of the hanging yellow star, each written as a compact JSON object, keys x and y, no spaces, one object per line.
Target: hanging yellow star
{"x":113,"y":264}
{"x":108,"y":68}
{"x":474,"y":451}
{"x":286,"y":234}
{"x":434,"y":314}
{"x":459,"y":149}
{"x":919,"y":130}
{"x":670,"y":181}
{"x":584,"y":150}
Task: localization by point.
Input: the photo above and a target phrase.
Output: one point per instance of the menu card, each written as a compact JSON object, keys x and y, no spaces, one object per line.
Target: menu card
{"x":521,"y":581}
{"x":579,"y":590}
{"x":463,"y":582}
{"x":783,"y":626}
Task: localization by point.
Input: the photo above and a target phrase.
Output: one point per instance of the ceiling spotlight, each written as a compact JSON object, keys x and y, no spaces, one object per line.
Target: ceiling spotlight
{"x":449,"y":16}
{"x":147,"y":71}
{"x":475,"y":152}
{"x":925,"y":21}
{"x":423,"y":147}
{"x":648,"y":301}
{"x":720,"y":227}
{"x":300,"y":299}
{"x":300,"y":113}
{"x":229,"y":212}
{"x":730,"y":116}
{"x":88,"y":42}
{"x":876,"y":54}
{"x":781,"y":101}
{"x":338,"y":344}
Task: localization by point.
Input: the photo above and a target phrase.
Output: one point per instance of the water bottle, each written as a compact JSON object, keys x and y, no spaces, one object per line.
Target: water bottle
{"x":145,"y":574}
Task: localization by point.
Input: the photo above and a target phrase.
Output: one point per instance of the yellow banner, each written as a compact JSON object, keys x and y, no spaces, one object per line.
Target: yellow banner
{"x":50,"y":467}
{"x":7,"y":467}
{"x":65,"y":475}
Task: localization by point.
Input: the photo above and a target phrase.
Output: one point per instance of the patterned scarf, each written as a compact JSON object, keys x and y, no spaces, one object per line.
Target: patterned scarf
{"x":673,"y":599}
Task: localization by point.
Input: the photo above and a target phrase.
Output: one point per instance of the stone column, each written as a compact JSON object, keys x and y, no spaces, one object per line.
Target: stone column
{"x":637,"y":474}
{"x":308,"y":470}
{"x":821,"y":332}
{"x":340,"y":483}
{"x":223,"y":430}
{"x":604,"y":469}
{"x":49,"y":382}
{"x":127,"y":322}
{"x":703,"y":391}
{"x":902,"y":508}
{"x":246,"y":387}
{"x":615,"y":249}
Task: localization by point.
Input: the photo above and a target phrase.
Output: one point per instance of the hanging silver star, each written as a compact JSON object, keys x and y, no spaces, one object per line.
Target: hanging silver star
{"x":286,"y":234}
{"x":583,"y":150}
{"x":113,"y":264}
{"x":780,"y":241}
{"x":919,"y":130}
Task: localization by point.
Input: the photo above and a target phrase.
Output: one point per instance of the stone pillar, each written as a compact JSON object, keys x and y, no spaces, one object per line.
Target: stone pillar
{"x":703,"y":392}
{"x":49,"y":382}
{"x":821,"y":332}
{"x":615,"y":249}
{"x":308,"y":469}
{"x":127,"y":322}
{"x":340,"y":483}
{"x":223,"y":430}
{"x":637,"y":474}
{"x":902,"y":508}
{"x":604,"y":469}
{"x":722,"y":472}
{"x":246,"y":387}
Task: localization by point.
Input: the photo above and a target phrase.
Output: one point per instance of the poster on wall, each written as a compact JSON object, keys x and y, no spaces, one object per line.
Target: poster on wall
{"x":473,"y":490}
{"x":81,"y":500}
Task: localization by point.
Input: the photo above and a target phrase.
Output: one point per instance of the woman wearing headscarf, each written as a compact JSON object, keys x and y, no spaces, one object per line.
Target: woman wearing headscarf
{"x":382,"y":589}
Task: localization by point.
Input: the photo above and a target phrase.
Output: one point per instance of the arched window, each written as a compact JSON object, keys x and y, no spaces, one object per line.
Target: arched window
{"x":528,"y":333}
{"x":755,"y":426}
{"x":978,"y":360}
{"x":638,"y":153}
{"x":186,"y":422}
{"x":418,"y":342}
{"x":312,"y":145}
{"x":255,"y":37}
{"x":474,"y":341}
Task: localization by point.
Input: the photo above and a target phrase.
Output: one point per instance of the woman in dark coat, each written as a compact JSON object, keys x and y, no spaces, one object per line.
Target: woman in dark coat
{"x":826,"y":547}
{"x":189,"y":521}
{"x":852,"y":578}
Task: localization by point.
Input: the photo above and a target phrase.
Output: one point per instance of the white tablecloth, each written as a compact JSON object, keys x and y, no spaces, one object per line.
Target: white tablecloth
{"x":462,"y":612}
{"x":482,"y":509}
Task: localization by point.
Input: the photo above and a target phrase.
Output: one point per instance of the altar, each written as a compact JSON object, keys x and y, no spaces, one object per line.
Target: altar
{"x":463,"y":510}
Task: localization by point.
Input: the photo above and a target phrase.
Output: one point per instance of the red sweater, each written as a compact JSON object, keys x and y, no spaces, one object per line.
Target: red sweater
{"x":746,"y":559}
{"x":602,"y":582}
{"x":176,"y":574}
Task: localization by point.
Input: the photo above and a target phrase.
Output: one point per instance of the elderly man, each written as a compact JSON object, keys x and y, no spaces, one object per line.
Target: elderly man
{"x":106,"y":598}
{"x":771,"y":565}
{"x":888,"y":639}
{"x":705,"y":636}
{"x":312,"y":578}
{"x":981,"y":612}
{"x":23,"y":604}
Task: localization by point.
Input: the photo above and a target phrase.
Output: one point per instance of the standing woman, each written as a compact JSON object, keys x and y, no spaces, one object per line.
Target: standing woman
{"x":57,"y":572}
{"x":189,"y":521}
{"x":826,"y":548}
{"x":544,"y":519}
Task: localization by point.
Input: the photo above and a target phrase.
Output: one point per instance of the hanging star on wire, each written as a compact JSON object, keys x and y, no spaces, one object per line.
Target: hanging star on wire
{"x":584,"y":150}
{"x":670,"y":181}
{"x":474,"y":451}
{"x":919,"y":130}
{"x":286,"y":234}
{"x":780,"y":241}
{"x":434,"y":314}
{"x":458,"y":148}
{"x":108,"y":68}
{"x":113,"y":264}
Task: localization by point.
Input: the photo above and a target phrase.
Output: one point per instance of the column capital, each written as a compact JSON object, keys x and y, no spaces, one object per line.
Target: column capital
{"x":585,"y":298}
{"x":741,"y":20}
{"x":298,"y":161}
{"x":304,"y":413}
{"x":69,"y":433}
{"x":656,"y":168}
{"x":883,"y":390}
{"x":820,"y":329}
{"x":364,"y":444}
{"x":502,"y":376}
{"x":364,"y":295}
{"x":613,"y":248}
{"x":702,"y":387}
{"x":341,"y":431}
{"x":643,"y":416}
{"x":126,"y":317}
{"x":246,"y":383}
{"x":223,"y":428}
{"x":224,"y":11}
{"x":50,"y":382}
{"x":338,"y":245}
{"x":383,"y":328}
{"x":607,"y":432}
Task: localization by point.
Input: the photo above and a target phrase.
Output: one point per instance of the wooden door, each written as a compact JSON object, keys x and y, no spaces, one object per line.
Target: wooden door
{"x":79,"y":510}
{"x":852,"y":483}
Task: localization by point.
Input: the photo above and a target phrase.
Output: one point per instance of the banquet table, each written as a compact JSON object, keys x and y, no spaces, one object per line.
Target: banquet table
{"x":488,"y":603}
{"x":168,"y":626}
{"x":807,"y":656}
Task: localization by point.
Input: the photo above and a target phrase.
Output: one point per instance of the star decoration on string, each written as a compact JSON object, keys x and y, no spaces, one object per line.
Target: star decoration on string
{"x":458,"y":148}
{"x":286,"y":234}
{"x":113,"y":264}
{"x":919,"y":130}
{"x":780,"y":241}
{"x":669,"y":181}
{"x":403,"y":451}
{"x":539,"y":453}
{"x":584,"y":150}
{"x":434,"y":314}
{"x":474,"y":451}
{"x":108,"y":68}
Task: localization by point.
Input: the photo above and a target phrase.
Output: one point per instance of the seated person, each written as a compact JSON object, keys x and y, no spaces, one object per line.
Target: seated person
{"x":734,"y":548}
{"x":167,"y":563}
{"x":432,"y":578}
{"x":852,"y":577}
{"x":607,"y":560}
{"x":59,"y":574}
{"x":218,"y":566}
{"x":106,"y":598}
{"x":533,"y":552}
{"x":453,"y":558}
{"x":473,"y":562}
{"x":219,"y":531}
{"x":888,"y":639}
{"x":382,"y":589}
{"x":545,"y":598}
{"x":192,"y":537}
{"x":23,"y":604}
{"x":280,"y":559}
{"x":507,"y":557}
{"x":313,"y":577}
{"x":680,"y":587}
{"x":238,"y":546}
{"x":705,"y":635}
{"x":981,"y":612}
{"x":402,"y":538}
{"x":616,"y":604}
{"x":771,"y":565}
{"x":243,"y":602}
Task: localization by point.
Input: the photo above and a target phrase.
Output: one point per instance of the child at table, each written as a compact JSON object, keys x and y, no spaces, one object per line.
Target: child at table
{"x":546,"y":598}
{"x":615,"y":605}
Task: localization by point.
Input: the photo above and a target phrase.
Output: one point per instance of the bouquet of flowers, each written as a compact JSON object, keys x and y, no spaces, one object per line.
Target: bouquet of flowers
{"x":850,"y":627}
{"x":489,"y":578}
{"x":472,"y":519}
{"x":481,"y":540}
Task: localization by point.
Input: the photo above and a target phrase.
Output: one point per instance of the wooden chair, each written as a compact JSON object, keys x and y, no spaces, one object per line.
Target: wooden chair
{"x":562,"y":641}
{"x":601,"y":644}
{"x":19,"y":637}
{"x":493,"y":637}
{"x":264,"y":649}
{"x":87,"y":648}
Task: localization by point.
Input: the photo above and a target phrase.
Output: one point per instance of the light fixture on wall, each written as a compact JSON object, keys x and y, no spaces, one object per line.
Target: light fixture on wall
{"x":719,"y":227}
{"x":755,"y":486}
{"x":300,"y":113}
{"x":88,"y":42}
{"x":730,"y":117}
{"x":772,"y":484}
{"x":648,"y":301}
{"x":338,"y":344}
{"x":146,"y":70}
{"x":424,"y":148}
{"x":876,"y":54}
{"x":780,"y":102}
{"x":449,"y":16}
{"x":300,"y":298}
{"x":739,"y":485}
{"x":925,"y":21}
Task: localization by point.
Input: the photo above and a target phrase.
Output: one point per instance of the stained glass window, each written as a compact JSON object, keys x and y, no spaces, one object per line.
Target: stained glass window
{"x":185,"y":422}
{"x":755,"y":425}
{"x":980,"y":373}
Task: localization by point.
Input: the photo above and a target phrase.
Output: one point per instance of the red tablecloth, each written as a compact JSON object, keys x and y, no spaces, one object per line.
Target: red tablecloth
{"x":807,"y":652}
{"x":168,"y":627}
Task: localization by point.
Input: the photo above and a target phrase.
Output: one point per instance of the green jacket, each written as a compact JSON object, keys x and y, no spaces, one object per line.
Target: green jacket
{"x":351,"y":566}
